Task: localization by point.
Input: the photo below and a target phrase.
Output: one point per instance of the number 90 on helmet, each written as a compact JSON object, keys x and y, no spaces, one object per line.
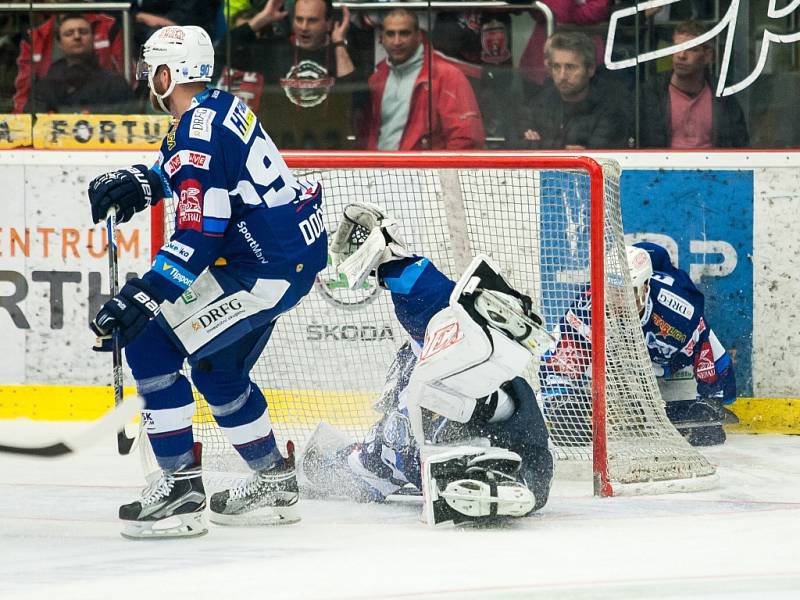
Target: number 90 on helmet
{"x":186,"y":51}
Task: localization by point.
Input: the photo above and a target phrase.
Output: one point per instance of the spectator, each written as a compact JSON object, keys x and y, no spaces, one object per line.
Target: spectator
{"x":38,"y":51}
{"x":680,"y":110}
{"x":76,"y":83}
{"x":578,"y":111}
{"x":150,"y":15}
{"x":573,"y":12}
{"x":481,"y":42}
{"x":311,"y":83}
{"x":405,"y":85}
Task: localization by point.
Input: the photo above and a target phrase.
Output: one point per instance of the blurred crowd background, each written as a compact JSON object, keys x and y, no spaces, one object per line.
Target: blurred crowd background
{"x":417,"y":76}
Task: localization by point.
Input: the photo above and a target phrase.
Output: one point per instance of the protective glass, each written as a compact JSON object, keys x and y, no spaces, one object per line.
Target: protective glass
{"x":142,"y":70}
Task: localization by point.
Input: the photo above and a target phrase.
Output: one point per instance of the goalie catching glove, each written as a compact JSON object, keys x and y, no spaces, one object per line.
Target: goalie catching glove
{"x":129,"y":311}
{"x":128,"y":190}
{"x":366,"y":238}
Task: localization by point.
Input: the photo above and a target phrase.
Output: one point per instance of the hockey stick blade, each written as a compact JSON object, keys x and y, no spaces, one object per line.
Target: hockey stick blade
{"x":113,"y":420}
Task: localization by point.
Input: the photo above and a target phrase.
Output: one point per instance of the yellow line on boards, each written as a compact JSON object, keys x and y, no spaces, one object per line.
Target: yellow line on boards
{"x":84,"y":403}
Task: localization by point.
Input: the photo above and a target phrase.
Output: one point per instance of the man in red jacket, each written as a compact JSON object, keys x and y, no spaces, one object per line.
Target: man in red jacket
{"x":398,"y":113}
{"x":36,"y":52}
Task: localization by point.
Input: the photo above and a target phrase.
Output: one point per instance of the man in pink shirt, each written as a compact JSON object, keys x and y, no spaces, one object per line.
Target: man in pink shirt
{"x":680,"y":109}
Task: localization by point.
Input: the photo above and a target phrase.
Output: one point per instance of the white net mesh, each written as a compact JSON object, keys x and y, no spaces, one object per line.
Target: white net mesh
{"x":326,"y":360}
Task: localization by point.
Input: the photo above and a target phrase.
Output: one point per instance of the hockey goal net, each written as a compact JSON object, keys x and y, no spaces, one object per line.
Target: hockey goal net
{"x":554,"y":225}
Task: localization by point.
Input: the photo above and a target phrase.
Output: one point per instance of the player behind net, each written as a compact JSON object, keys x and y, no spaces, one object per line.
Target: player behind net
{"x":247,"y":244}
{"x":681,"y":344}
{"x":459,"y":422}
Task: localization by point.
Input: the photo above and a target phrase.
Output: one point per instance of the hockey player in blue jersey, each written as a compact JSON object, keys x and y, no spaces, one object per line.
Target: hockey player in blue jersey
{"x":456,"y":380}
{"x":248,"y":242}
{"x":682,"y":347}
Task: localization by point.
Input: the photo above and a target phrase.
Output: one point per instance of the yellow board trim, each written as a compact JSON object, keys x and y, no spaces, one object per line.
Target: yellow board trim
{"x":84,"y":403}
{"x":766,"y":415}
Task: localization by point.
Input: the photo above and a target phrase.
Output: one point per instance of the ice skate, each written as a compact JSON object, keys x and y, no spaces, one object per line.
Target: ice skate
{"x":268,"y":497}
{"x":170,"y":507}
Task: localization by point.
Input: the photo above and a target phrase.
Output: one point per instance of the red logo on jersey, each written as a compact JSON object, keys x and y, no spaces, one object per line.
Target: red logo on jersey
{"x":174,"y":164}
{"x":190,"y":205}
{"x":198,"y":159}
{"x":704,"y":368}
{"x":571,"y":358}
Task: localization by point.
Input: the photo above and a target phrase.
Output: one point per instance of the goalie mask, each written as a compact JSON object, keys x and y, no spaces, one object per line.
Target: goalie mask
{"x":186,"y":51}
{"x":641,"y":270}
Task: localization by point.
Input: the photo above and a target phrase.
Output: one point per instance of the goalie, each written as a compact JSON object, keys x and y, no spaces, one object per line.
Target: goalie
{"x":694,"y":372}
{"x":459,"y":422}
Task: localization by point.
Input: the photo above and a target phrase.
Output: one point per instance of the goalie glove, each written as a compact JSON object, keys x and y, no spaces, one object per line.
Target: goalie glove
{"x":129,"y":311}
{"x":129,"y":190}
{"x":366,"y":238}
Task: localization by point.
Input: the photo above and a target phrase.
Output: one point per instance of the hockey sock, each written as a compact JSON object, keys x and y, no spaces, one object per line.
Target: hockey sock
{"x":245,"y":421}
{"x":167,"y":419}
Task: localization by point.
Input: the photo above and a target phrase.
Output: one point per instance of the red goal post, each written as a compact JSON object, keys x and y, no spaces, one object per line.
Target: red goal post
{"x":644,"y":453}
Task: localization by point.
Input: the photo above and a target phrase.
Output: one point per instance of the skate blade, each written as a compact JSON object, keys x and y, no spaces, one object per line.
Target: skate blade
{"x":264,"y":516}
{"x":176,"y":526}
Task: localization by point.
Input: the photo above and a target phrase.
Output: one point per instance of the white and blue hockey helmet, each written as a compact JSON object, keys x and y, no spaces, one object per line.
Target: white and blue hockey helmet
{"x":641,"y":270}
{"x":187,"y":51}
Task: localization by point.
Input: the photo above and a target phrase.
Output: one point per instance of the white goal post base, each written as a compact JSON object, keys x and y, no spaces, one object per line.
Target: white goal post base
{"x":553,"y":224}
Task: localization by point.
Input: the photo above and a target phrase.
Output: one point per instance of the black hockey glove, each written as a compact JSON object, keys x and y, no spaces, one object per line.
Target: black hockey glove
{"x":130,"y":190}
{"x":129,"y":311}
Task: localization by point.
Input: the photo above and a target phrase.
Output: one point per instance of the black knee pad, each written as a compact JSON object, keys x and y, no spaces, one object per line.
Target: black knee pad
{"x":526,"y":434}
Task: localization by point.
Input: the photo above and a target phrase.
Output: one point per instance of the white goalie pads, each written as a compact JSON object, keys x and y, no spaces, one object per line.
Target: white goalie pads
{"x":365,"y":238}
{"x":473,"y":346}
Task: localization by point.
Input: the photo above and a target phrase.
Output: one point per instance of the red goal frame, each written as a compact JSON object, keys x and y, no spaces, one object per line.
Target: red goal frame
{"x":495,"y":160}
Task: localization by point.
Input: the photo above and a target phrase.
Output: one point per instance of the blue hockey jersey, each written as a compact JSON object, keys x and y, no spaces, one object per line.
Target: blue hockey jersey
{"x":236,"y":201}
{"x":675,"y":330}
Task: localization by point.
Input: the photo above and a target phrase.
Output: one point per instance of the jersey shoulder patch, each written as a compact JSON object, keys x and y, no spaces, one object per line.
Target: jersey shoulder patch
{"x":200,"y":123}
{"x":675,"y":303}
{"x":240,"y":120}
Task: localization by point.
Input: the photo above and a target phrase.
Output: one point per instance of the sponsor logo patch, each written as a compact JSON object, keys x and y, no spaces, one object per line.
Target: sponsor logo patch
{"x":199,"y":160}
{"x":171,"y":138}
{"x":704,"y":367}
{"x":172,"y":272}
{"x":200,"y":126}
{"x":218,"y":315}
{"x":241,"y":120}
{"x":676,"y":304}
{"x":189,"y":211}
{"x":182,"y":251}
{"x":667,"y":330}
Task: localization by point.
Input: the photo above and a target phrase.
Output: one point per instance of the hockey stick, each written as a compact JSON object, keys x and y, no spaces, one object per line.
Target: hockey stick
{"x":124,"y":443}
{"x":113,"y":420}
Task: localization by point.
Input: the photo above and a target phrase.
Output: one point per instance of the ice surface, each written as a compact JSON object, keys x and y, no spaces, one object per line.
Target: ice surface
{"x":59,"y":539}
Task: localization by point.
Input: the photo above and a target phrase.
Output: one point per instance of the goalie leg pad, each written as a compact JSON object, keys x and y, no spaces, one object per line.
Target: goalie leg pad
{"x":468,"y":484}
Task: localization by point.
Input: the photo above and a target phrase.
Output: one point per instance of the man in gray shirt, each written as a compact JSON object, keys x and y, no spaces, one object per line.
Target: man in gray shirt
{"x":399,"y":117}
